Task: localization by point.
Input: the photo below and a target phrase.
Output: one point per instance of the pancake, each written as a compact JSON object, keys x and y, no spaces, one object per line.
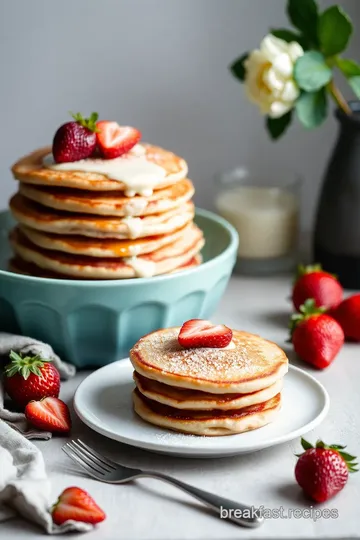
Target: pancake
{"x":19,"y":266}
{"x":93,"y":247}
{"x":31,"y":170}
{"x":161,"y":261}
{"x":251,"y":365}
{"x":39,"y":217}
{"x":209,"y":423}
{"x":183,"y":398}
{"x":112,"y":203}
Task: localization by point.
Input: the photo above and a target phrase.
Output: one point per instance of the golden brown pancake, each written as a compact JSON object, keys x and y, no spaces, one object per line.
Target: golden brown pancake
{"x":19,"y":266}
{"x":251,"y":365}
{"x":184,"y":398}
{"x":209,"y":423}
{"x":37,"y":216}
{"x":30,"y":170}
{"x":161,"y":261}
{"x":95,"y":247}
{"x":113,"y":203}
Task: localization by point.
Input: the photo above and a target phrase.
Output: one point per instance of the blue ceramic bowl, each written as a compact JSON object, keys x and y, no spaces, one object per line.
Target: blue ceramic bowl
{"x":93,"y":323}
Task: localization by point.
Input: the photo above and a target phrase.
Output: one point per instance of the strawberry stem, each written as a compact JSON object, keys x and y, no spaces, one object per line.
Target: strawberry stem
{"x":24,"y":365}
{"x":303,"y":269}
{"x":348,"y":458}
{"x":307,"y":310}
{"x":88,"y":123}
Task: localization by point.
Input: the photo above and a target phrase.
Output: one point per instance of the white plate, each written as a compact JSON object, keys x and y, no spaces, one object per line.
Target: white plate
{"x":103,"y":402}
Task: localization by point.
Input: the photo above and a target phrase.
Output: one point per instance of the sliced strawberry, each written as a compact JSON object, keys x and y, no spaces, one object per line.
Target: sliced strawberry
{"x":200,"y":333}
{"x":75,"y":503}
{"x":49,"y":414}
{"x":114,"y":140}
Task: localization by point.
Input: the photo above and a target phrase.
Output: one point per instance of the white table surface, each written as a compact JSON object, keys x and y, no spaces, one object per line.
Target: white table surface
{"x":151,"y":510}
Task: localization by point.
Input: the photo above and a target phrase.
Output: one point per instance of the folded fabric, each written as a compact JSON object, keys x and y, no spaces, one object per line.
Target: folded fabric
{"x":24,"y":486}
{"x":27,"y":346}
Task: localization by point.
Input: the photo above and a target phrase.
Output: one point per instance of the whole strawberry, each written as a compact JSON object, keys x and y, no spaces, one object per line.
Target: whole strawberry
{"x":313,"y":282}
{"x":324,"y":470}
{"x":30,"y":378}
{"x":317,"y":338}
{"x":348,"y":316}
{"x":75,"y":140}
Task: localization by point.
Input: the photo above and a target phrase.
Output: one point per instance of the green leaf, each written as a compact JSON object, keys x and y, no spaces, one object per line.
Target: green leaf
{"x":349,"y":68}
{"x":355,"y":85}
{"x":304,"y":15}
{"x":237,"y":68}
{"x":277,"y":126}
{"x":311,"y":71}
{"x":347,"y":457}
{"x":290,"y":36}
{"x":311,"y":108}
{"x":335,"y":29}
{"x":305,"y":444}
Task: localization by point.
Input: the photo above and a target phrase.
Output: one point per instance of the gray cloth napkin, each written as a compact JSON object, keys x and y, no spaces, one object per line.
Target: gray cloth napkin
{"x":25,"y":489}
{"x":26,"y":345}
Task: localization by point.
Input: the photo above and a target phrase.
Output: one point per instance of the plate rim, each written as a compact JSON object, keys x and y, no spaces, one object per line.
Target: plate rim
{"x":188,"y":451}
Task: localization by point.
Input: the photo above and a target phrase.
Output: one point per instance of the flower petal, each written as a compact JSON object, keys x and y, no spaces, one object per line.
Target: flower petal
{"x":283,"y":65}
{"x":290,"y":92}
{"x":272,"y":80}
{"x":279,"y":108}
{"x":272,"y":46}
{"x":295,"y":50}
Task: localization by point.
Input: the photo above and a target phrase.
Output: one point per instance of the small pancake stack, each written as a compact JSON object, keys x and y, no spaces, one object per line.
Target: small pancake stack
{"x":207,"y":391}
{"x":100,"y":218}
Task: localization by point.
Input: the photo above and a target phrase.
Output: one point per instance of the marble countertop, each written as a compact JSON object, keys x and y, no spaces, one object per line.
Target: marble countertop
{"x":151,"y":510}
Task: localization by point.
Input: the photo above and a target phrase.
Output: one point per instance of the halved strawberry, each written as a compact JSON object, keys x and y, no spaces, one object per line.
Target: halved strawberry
{"x":49,"y":414}
{"x":75,"y":503}
{"x":114,"y":140}
{"x":200,"y":333}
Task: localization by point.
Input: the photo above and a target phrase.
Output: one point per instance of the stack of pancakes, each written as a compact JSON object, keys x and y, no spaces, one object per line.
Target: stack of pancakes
{"x":77,"y":223}
{"x":207,"y":391}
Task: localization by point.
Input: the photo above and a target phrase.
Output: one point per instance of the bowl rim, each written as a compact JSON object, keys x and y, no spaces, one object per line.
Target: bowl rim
{"x":233,"y":244}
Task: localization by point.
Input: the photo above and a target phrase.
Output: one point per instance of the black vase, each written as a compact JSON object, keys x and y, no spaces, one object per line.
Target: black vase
{"x":337,"y":229}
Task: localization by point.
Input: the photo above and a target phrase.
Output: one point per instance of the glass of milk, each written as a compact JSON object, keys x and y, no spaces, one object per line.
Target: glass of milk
{"x":265,"y":211}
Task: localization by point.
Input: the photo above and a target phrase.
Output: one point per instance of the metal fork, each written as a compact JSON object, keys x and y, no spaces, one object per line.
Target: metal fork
{"x":106,"y":470}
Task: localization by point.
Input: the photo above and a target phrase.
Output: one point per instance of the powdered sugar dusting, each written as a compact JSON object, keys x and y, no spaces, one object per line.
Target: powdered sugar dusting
{"x":250,"y":354}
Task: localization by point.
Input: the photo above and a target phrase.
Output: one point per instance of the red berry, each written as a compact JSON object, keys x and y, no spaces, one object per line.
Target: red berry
{"x":30,"y":377}
{"x":114,"y":140}
{"x":348,"y":316}
{"x":75,"y":503}
{"x":317,"y":338}
{"x":200,"y":333}
{"x":323,"y":471}
{"x":323,"y":287}
{"x":75,"y":140}
{"x":49,"y":414}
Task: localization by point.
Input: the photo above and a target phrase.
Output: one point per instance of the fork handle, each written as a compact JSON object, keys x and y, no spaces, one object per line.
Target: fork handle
{"x":240,"y":514}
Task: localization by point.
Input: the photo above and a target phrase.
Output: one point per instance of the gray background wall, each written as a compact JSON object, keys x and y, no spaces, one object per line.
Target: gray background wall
{"x":160,"y":65}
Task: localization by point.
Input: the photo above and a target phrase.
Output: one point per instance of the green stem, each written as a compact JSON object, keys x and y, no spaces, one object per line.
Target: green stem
{"x":339,"y":98}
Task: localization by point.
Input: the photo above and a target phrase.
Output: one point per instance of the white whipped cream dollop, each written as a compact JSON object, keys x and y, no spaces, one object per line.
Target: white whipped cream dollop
{"x":134,"y":225}
{"x":140,"y":175}
{"x":142,"y":267}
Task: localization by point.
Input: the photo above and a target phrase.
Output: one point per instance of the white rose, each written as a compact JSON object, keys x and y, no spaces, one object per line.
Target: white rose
{"x":269,"y":79}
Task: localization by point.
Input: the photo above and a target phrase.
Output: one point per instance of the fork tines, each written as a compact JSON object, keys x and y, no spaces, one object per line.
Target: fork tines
{"x":88,"y":458}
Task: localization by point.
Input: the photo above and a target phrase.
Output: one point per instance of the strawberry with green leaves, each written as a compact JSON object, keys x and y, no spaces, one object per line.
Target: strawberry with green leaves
{"x":29,"y":378}
{"x":75,"y":140}
{"x":322,"y":471}
{"x":317,"y":338}
{"x":313,"y":282}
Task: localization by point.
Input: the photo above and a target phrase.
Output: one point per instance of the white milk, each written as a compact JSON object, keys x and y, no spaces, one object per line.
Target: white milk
{"x":266,"y":219}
